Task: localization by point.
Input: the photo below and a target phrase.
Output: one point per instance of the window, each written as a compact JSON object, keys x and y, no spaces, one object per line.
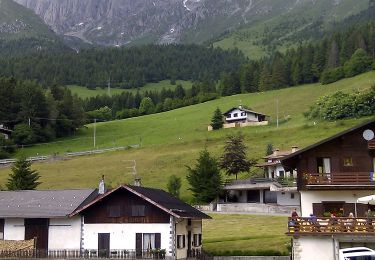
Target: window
{"x":114,"y":211}
{"x":1,"y":229}
{"x":189,"y":222}
{"x":281,"y":174}
{"x":348,"y":161}
{"x":323,"y":165}
{"x":229,"y":116}
{"x":138,"y":211}
{"x":235,"y":115}
{"x":292,"y":196}
{"x":180,"y":241}
{"x":243,"y":113}
{"x":197,"y":240}
{"x":147,"y":241}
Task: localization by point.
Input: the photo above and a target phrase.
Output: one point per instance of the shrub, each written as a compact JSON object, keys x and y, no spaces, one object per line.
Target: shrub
{"x":358,"y":63}
{"x":332,"y":75}
{"x":343,"y":105}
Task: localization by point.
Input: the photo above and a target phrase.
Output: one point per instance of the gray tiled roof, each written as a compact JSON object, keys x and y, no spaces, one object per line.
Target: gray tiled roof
{"x":41,"y":203}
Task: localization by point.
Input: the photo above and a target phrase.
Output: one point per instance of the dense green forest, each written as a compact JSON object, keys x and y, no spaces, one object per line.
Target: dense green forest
{"x":36,"y":115}
{"x":125,"y":67}
{"x":344,"y":54}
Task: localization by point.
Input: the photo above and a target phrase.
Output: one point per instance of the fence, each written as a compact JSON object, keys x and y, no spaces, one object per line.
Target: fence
{"x":72,"y":254}
{"x":6,"y":162}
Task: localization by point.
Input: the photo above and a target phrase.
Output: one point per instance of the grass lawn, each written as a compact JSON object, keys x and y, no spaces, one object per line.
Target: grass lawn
{"x":173,"y":139}
{"x":235,"y":232}
{"x":84,"y":92}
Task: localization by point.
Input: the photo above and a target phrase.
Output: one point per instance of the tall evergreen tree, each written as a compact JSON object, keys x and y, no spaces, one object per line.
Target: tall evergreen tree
{"x":217,"y":121}
{"x":22,"y":176}
{"x":205,"y":179}
{"x":234,"y":159}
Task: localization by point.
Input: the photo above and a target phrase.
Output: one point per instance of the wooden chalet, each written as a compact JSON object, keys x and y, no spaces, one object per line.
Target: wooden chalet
{"x":331,"y":175}
{"x":126,"y":222}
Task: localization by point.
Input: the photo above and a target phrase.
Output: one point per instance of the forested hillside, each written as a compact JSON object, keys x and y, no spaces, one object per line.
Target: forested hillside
{"x":125,"y":67}
{"x":342,"y":54}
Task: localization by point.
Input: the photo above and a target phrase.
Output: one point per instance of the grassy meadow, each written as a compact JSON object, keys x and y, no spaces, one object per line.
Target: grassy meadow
{"x":247,"y":233}
{"x":84,"y":92}
{"x":173,"y":139}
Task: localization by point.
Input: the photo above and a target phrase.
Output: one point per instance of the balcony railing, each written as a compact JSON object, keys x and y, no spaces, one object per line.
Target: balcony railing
{"x":340,"y":178}
{"x":329,"y":226}
{"x":74,"y":254}
{"x":371,"y":144}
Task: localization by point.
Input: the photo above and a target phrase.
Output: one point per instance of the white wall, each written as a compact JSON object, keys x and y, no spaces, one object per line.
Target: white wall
{"x":64,"y":228}
{"x":312,"y":248}
{"x":286,"y":200}
{"x":181,"y":229}
{"x":122,"y":236}
{"x":14,"y":229}
{"x":310,"y":197}
{"x":239,"y":117}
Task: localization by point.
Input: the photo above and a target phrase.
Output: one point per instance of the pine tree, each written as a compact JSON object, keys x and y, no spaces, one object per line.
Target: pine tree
{"x":234,"y":160}
{"x":22,"y":176}
{"x":174,"y":185}
{"x":205,"y":179}
{"x":269,"y":149}
{"x":217,"y":120}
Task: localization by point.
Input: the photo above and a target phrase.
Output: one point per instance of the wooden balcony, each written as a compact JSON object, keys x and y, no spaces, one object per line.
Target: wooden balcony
{"x":344,"y":179}
{"x":331,"y":226}
{"x":371,"y":144}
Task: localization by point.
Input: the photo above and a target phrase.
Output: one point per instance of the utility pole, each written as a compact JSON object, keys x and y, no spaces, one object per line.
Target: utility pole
{"x":277,"y":113}
{"x":94,"y":132}
{"x":29,"y":121}
{"x":109,"y":86}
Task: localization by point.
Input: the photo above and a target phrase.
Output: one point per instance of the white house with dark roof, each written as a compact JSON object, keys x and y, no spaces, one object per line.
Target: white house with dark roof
{"x":125,"y":222}
{"x":243,"y":115}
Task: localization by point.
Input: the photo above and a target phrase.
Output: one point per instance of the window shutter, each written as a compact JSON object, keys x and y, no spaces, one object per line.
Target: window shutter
{"x":157,"y":240}
{"x":138,"y":244}
{"x":178,"y":241}
{"x":318,"y":209}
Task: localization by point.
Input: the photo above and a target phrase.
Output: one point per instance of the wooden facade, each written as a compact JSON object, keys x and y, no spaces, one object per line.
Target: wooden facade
{"x":123,"y":206}
{"x":350,"y":160}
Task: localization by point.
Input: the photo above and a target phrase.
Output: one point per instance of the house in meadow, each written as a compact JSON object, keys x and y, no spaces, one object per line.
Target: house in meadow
{"x":240,"y":117}
{"x":276,"y":192}
{"x":331,"y":175}
{"x":125,"y":222}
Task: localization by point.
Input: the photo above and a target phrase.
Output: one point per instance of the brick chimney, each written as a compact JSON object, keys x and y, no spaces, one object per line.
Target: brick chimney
{"x":102,"y":189}
{"x":137,"y":182}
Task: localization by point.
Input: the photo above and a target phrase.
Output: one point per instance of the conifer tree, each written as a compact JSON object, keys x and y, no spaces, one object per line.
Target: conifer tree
{"x":205,"y":179}
{"x":174,"y":185}
{"x":22,"y":176}
{"x":234,"y":159}
{"x":217,"y":120}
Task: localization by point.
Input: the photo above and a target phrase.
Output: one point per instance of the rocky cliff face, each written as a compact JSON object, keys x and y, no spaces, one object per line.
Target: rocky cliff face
{"x":118,"y":22}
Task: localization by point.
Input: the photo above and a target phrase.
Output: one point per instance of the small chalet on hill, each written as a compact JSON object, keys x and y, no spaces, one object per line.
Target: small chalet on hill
{"x":126,"y":222}
{"x":241,"y":117}
{"x":331,"y":175}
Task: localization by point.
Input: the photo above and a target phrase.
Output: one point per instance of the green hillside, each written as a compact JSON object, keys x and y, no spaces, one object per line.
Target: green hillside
{"x":258,"y":38}
{"x":173,"y":139}
{"x":84,"y":92}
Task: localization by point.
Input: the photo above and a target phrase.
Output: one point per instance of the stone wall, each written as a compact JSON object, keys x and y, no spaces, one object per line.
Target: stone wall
{"x":256,"y":208}
{"x":251,"y":257}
